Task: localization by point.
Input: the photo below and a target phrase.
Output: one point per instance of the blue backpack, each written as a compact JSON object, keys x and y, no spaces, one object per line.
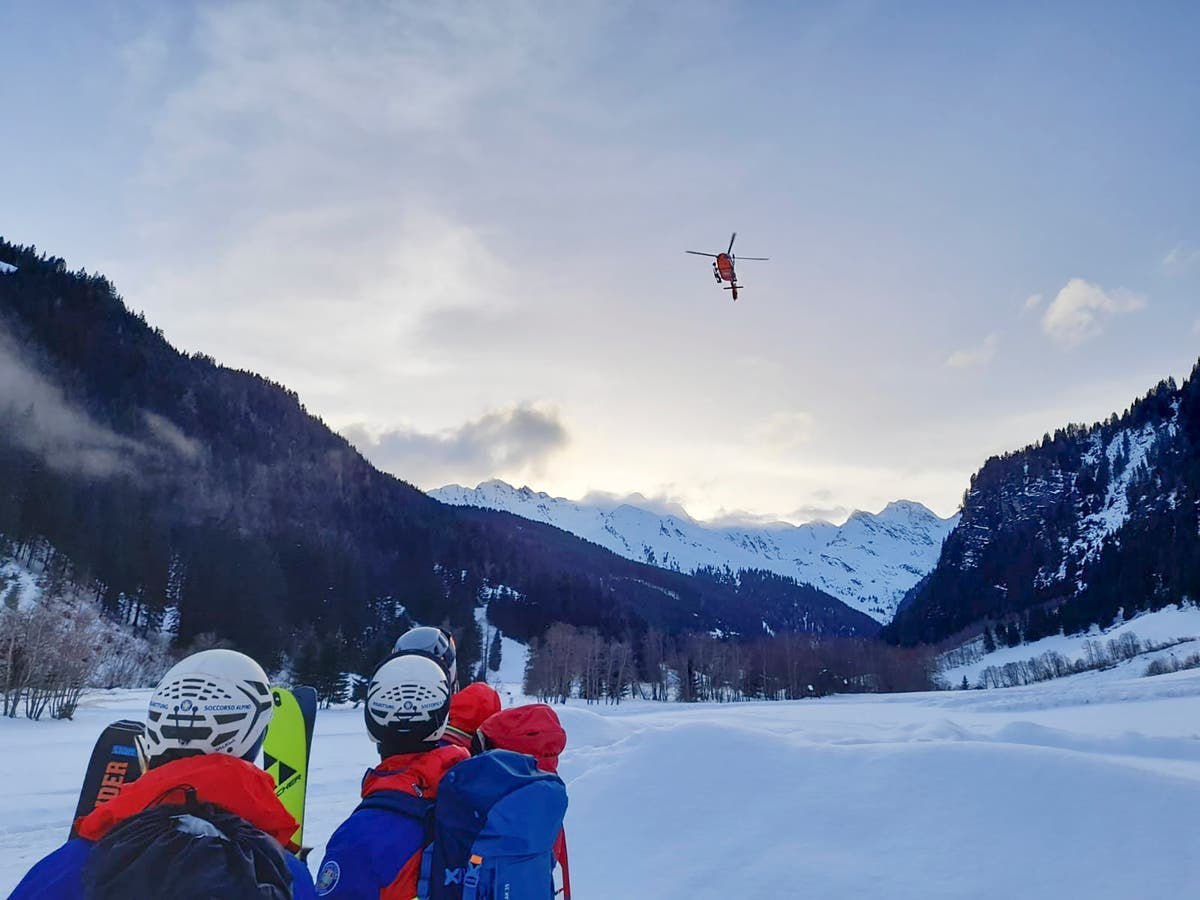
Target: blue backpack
{"x":495,"y":823}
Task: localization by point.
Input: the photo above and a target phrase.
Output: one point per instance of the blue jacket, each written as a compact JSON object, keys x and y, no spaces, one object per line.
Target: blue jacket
{"x":59,"y":876}
{"x":371,"y":854}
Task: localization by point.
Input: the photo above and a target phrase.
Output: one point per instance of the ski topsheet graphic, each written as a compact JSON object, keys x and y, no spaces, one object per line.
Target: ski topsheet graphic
{"x":286,"y":749}
{"x":116,"y":761}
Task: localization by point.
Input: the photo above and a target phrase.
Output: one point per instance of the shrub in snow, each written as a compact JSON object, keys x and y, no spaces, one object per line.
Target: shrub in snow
{"x":1164,"y":666}
{"x":53,"y":650}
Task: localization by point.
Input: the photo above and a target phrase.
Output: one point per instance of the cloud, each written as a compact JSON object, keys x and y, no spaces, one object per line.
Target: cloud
{"x":1081,"y":309}
{"x":816,"y":512}
{"x":476,"y":326}
{"x":39,"y":417}
{"x":352,"y":178}
{"x":784,"y":433}
{"x":501,"y":443}
{"x":1032,"y":302}
{"x":661,"y":504}
{"x":809,"y":512}
{"x":44,"y":422}
{"x":1180,"y":257}
{"x":167,"y":433}
{"x":975,"y":356}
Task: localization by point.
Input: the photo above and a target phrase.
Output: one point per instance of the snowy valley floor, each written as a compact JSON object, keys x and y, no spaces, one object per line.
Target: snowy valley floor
{"x":1085,"y":787}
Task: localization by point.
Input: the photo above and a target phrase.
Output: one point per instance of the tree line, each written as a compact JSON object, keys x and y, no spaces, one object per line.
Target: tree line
{"x":570,"y":662}
{"x":1097,"y":655}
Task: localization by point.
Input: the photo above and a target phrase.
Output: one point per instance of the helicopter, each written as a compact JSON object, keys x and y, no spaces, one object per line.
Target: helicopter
{"x":723,"y":265}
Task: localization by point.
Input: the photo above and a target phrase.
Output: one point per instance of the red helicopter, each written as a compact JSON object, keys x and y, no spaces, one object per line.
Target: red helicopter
{"x":723,"y":267}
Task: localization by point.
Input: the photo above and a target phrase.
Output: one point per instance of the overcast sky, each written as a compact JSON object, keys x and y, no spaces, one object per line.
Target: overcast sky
{"x":457,"y":230}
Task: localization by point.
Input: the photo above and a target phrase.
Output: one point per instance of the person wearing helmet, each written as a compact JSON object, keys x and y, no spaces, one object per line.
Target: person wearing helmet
{"x":379,"y":846}
{"x":203,"y":821}
{"x":436,"y":643}
{"x":469,"y":706}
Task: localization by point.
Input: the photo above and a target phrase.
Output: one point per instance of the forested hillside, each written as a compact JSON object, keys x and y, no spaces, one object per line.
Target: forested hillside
{"x":1092,"y":523}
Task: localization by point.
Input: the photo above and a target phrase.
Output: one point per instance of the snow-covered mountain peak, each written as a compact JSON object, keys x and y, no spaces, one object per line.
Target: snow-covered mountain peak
{"x":907,"y":509}
{"x":868,"y":563}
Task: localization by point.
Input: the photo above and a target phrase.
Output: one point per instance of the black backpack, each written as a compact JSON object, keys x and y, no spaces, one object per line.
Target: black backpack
{"x":195,"y":851}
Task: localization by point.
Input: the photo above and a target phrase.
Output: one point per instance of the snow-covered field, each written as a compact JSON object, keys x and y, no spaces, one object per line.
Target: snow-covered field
{"x":1084,"y":787}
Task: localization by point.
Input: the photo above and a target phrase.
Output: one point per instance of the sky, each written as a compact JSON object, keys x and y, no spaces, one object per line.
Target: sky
{"x":457,"y":229}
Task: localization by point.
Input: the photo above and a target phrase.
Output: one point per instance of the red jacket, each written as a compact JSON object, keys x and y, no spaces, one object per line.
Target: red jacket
{"x":415,"y":774}
{"x":233,"y":784}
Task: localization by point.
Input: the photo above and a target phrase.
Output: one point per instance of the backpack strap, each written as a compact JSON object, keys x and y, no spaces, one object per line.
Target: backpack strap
{"x":426,"y":871}
{"x":560,"y":857}
{"x":406,"y":884}
{"x":411,"y":882}
{"x":415,"y":808}
{"x":471,"y":878}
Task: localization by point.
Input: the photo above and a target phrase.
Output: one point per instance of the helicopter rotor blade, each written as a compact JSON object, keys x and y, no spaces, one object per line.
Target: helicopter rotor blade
{"x":759,"y":258}
{"x":698,"y":253}
{"x":732,"y":237}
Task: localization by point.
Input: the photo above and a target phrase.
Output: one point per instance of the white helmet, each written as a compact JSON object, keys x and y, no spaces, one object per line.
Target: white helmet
{"x":408,"y":703}
{"x":215,"y":701}
{"x":436,"y":643}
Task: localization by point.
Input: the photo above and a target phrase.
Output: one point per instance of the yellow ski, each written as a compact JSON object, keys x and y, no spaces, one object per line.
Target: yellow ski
{"x":287,"y":746}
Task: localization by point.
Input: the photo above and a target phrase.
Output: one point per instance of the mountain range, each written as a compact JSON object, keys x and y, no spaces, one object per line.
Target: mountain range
{"x":869,"y":563}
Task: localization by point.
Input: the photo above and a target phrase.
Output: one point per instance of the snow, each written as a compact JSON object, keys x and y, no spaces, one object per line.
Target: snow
{"x":869,"y":563}
{"x":1170,"y":625}
{"x":17,"y":576}
{"x":1114,"y":513}
{"x":7,"y":268}
{"x":509,"y":681}
{"x":1082,"y":787}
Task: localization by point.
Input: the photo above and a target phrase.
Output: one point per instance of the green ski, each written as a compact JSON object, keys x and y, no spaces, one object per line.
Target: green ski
{"x":287,"y":748}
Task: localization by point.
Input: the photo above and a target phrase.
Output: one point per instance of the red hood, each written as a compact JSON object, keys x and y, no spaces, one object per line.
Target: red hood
{"x":417,"y":774}
{"x":532,"y":729}
{"x":225,"y":781}
{"x":468,"y":710}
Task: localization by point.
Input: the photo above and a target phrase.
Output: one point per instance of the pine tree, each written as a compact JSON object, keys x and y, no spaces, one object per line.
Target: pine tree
{"x":493,"y":657}
{"x":318,"y":665}
{"x":331,"y":686}
{"x":989,"y":642}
